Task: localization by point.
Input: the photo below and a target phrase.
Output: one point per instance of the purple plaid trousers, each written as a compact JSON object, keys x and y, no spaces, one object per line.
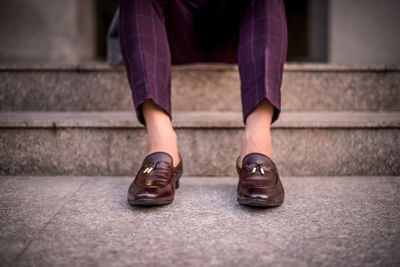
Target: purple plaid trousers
{"x":155,"y":34}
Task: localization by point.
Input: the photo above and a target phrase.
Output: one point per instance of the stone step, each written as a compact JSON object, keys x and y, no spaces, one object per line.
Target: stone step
{"x":114,"y":143}
{"x":211,"y":87}
{"x":86,"y":221}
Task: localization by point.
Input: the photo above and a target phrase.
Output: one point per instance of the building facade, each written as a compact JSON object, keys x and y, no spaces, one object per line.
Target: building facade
{"x":330,"y":31}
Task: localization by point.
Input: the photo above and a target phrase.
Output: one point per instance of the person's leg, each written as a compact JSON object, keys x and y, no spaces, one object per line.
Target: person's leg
{"x":261,"y":56}
{"x":146,"y":56}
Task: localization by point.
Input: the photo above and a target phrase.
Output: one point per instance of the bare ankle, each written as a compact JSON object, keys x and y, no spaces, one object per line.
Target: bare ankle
{"x":161,"y":136}
{"x":166,"y":141}
{"x":255,"y":141}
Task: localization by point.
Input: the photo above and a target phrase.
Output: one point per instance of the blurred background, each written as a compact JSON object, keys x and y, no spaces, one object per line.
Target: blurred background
{"x":331,"y":31}
{"x":70,"y":144}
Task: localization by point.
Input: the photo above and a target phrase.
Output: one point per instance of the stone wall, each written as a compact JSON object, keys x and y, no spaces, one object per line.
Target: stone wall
{"x":364,"y":31}
{"x":46,"y":30}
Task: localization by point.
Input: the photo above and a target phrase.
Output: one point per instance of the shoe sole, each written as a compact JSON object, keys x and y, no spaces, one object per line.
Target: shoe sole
{"x":258,"y":203}
{"x":149,"y":202}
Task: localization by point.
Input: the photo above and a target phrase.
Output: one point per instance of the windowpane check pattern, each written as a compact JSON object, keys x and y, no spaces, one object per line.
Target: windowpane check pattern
{"x":156,"y":34}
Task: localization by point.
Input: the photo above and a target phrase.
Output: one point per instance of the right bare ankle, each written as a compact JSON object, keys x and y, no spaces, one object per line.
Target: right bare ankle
{"x":160,"y":134}
{"x":166,"y":141}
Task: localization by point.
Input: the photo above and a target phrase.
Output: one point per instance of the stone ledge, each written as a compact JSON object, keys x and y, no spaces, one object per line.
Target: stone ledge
{"x":101,"y":66}
{"x":199,"y":119}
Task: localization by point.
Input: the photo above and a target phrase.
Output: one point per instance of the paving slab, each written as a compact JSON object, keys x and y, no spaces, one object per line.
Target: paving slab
{"x":324,"y":221}
{"x":27,"y":204}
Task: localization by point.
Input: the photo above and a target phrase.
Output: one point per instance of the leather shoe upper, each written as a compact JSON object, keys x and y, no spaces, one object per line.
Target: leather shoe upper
{"x":156,"y":178}
{"x":259,"y":179}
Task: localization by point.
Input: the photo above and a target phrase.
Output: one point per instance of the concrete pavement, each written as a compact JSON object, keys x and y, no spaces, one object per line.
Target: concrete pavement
{"x":324,"y":221}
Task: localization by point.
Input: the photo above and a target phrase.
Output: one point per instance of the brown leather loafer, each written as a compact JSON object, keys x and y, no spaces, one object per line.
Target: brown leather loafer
{"x":156,"y":180}
{"x":259,"y":182}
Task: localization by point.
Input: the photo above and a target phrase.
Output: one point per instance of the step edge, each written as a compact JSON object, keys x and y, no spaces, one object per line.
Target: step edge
{"x":288,"y":119}
{"x":23,"y":176}
{"x":103,"y":67}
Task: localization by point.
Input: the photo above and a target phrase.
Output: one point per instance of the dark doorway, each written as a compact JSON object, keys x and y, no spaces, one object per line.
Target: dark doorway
{"x":105,"y":11}
{"x":306,"y":19}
